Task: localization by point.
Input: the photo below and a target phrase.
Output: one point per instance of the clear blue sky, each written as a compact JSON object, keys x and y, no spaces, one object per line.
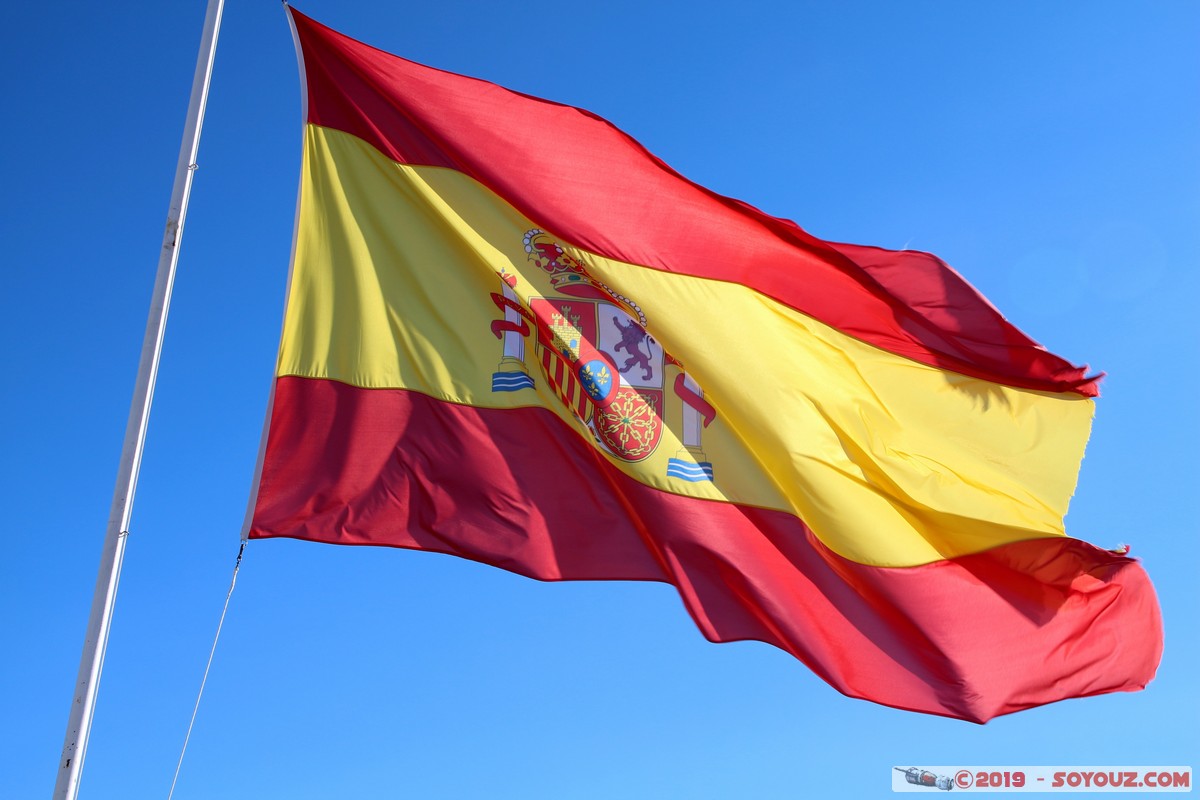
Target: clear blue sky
{"x":1049,"y":151}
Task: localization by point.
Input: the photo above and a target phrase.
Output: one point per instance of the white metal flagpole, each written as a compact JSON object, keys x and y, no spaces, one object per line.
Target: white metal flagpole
{"x":91,"y":662}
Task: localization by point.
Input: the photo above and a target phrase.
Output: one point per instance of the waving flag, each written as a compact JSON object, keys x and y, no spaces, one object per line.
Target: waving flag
{"x":514,"y":335}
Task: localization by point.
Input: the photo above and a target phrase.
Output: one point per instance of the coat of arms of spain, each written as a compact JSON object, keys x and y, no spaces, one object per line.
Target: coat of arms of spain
{"x":591,"y":347}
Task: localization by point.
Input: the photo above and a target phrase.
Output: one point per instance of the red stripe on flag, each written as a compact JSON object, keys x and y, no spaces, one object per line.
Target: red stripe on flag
{"x":982,"y":635}
{"x":580,"y":177}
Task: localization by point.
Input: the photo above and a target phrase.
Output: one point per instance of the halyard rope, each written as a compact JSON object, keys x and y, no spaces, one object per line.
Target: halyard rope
{"x":233,"y":582}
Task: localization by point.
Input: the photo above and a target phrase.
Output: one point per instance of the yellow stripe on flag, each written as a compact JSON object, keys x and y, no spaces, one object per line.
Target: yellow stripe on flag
{"x":890,"y":462}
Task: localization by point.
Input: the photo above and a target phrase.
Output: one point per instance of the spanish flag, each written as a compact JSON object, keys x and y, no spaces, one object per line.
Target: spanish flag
{"x":514,"y":335}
